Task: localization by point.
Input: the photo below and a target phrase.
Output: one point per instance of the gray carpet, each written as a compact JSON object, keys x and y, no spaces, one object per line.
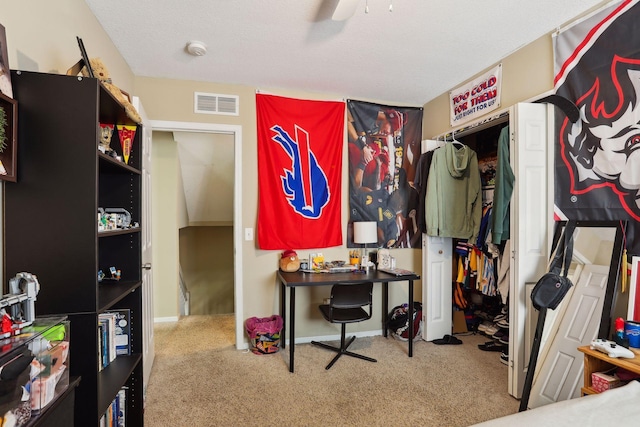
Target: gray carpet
{"x":200,"y":379}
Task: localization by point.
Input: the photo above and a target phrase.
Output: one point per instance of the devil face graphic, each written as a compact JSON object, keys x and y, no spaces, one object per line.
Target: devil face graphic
{"x":602,"y":149}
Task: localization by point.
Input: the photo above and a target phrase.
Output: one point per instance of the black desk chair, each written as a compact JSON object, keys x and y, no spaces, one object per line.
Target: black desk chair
{"x":346,"y":306}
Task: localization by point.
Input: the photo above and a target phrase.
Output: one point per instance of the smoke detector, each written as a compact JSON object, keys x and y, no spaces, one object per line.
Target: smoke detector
{"x":196,"y":48}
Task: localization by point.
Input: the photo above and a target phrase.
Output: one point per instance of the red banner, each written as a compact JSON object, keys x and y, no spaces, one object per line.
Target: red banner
{"x":299,"y":172}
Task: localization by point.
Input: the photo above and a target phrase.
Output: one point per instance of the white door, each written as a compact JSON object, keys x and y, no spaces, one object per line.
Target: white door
{"x":561,"y":374}
{"x":531,"y":220}
{"x":436,"y":274}
{"x":436,"y":287}
{"x":148,"y":352}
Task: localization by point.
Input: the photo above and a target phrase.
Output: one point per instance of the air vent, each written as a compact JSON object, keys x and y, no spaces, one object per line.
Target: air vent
{"x":213,"y":103}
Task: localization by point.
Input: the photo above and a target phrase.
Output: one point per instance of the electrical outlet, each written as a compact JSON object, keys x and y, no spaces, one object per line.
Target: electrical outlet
{"x":248,"y":234}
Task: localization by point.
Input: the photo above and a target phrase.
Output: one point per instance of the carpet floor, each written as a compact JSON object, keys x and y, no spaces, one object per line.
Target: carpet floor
{"x":200,"y":379}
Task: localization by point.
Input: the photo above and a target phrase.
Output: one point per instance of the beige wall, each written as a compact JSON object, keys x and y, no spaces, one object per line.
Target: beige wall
{"x":527,"y":73}
{"x":41,"y":36}
{"x":206,"y":261}
{"x":166,"y":198}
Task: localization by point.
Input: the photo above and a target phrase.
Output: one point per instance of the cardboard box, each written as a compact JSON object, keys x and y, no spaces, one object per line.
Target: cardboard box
{"x":601,"y":381}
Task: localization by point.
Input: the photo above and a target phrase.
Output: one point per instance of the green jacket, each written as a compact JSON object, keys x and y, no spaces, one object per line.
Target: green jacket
{"x":503,"y":191}
{"x":453,"y":205}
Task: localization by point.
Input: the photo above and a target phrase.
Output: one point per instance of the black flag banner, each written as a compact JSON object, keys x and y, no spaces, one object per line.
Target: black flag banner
{"x":597,"y":158}
{"x":384,"y":148}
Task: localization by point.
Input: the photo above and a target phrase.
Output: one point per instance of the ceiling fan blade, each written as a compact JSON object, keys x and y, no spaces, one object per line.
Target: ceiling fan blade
{"x":344,"y":9}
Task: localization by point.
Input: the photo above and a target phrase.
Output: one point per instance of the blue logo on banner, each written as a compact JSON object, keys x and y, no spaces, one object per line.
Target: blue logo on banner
{"x":305,"y":185}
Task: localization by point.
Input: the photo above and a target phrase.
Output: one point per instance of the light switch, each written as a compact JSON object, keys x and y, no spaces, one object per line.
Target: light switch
{"x":248,"y":234}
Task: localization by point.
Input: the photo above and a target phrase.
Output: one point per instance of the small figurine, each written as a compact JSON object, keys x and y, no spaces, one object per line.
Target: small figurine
{"x":115,"y":274}
{"x":106,"y":131}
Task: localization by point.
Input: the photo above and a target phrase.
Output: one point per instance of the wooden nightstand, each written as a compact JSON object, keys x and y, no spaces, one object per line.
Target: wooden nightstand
{"x":597,"y":361}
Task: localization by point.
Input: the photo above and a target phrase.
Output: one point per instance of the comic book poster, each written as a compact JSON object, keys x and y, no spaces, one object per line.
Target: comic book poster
{"x":597,"y":158}
{"x":383,"y":152}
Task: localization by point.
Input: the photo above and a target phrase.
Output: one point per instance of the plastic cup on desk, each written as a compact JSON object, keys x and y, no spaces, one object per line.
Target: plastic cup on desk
{"x":632,"y":332}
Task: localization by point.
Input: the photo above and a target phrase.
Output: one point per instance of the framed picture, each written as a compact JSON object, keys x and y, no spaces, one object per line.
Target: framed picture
{"x":8,"y":137}
{"x":5,"y":73}
{"x":634,"y":290}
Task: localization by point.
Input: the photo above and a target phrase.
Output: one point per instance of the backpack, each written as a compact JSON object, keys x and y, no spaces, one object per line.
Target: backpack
{"x":398,"y":321}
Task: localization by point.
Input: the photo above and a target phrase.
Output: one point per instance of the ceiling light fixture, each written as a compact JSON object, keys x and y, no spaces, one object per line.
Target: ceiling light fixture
{"x":196,"y":48}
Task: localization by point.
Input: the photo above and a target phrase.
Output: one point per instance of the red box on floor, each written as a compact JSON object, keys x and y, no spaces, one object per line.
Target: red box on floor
{"x":601,"y":381}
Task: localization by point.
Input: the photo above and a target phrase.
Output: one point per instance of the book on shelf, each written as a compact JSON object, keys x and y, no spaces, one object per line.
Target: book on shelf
{"x":115,"y":415}
{"x":103,"y":338}
{"x":122,"y":405}
{"x":108,"y":320}
{"x":114,"y":335}
{"x":100,"y":340}
{"x":122,"y":331}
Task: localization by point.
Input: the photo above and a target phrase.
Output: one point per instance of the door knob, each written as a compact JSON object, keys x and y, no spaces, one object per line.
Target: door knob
{"x":440,"y":251}
{"x":146,"y":266}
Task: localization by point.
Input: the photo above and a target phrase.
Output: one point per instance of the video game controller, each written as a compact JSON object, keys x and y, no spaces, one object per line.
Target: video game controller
{"x":611,"y":348}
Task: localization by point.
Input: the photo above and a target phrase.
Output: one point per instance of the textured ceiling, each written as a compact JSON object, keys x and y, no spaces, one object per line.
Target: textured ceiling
{"x":406,"y":57}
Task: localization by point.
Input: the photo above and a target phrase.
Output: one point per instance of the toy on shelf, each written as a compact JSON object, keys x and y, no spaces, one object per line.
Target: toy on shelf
{"x":18,"y":307}
{"x":114,"y":219}
{"x":106,"y":132}
{"x":115,"y":274}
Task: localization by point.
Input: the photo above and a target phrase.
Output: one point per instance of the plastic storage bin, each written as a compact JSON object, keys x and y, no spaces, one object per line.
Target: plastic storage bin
{"x":34,"y":369}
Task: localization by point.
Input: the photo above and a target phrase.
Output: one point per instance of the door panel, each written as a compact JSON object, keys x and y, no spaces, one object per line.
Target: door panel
{"x":560,"y":376}
{"x":148,"y":352}
{"x":436,"y":287}
{"x":531,"y":218}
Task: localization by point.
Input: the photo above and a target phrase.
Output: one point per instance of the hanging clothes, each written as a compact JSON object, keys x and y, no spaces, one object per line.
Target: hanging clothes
{"x":420,"y":183}
{"x":503,"y":272}
{"x":453,"y":204}
{"x":488,"y":280}
{"x":503,"y":191}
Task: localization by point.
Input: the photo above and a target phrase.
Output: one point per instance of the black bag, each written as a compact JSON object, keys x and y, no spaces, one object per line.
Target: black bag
{"x":554,"y":285}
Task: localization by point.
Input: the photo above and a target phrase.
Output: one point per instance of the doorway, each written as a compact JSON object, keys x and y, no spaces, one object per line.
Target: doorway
{"x":236,"y":133}
{"x":206,"y":233}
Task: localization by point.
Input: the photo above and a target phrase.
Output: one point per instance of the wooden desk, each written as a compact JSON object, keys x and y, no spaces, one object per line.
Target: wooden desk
{"x":300,"y":279}
{"x":597,"y":361}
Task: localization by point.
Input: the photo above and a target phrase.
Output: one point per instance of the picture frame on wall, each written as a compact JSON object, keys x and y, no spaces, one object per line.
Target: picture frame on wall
{"x":8,"y":138}
{"x":5,"y":71}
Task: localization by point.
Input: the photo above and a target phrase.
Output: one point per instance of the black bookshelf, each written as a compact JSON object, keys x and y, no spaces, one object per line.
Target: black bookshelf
{"x":51,"y":227}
